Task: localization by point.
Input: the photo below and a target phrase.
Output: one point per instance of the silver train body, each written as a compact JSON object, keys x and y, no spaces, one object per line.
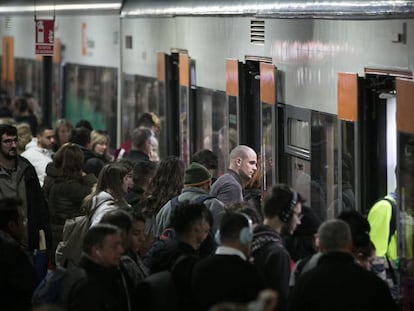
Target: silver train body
{"x":322,"y":91}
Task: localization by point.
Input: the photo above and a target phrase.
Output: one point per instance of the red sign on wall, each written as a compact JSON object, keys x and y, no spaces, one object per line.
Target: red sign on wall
{"x":44,"y":36}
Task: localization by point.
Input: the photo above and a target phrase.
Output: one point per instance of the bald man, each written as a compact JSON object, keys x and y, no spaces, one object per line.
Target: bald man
{"x":229,"y":187}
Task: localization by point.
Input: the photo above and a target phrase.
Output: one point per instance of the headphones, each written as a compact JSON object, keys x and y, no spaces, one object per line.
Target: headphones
{"x":287,"y":213}
{"x":245,"y":234}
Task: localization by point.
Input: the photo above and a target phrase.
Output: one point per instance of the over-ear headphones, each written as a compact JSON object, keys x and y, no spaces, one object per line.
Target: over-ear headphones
{"x":245,"y":235}
{"x":287,"y":213}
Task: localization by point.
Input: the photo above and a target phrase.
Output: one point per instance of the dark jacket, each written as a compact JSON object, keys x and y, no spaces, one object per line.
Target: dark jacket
{"x":134,"y":198}
{"x":164,"y":258}
{"x":273,"y":261}
{"x":17,"y":275}
{"x":137,"y":156}
{"x":65,"y":198}
{"x":223,"y":278}
{"x":228,"y":188}
{"x":104,"y":289}
{"x":37,"y":209}
{"x":339,"y":283}
{"x":92,"y":163}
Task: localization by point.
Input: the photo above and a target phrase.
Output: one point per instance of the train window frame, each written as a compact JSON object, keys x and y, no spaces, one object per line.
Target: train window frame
{"x":302,"y":115}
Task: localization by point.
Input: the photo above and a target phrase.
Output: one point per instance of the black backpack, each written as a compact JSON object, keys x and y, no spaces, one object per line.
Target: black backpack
{"x":54,"y":288}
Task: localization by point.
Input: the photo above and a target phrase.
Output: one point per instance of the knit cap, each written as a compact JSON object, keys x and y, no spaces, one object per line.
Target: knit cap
{"x":196,"y":174}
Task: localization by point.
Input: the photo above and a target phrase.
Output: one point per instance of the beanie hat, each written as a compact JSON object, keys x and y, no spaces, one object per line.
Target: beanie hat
{"x":196,"y":174}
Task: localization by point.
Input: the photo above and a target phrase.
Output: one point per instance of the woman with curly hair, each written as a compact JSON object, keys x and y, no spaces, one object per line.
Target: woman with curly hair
{"x":109,"y":194}
{"x":166,"y":184}
{"x":65,"y":187}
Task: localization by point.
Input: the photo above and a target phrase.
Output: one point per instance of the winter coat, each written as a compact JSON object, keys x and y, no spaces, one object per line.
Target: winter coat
{"x":273,"y":261}
{"x":17,"y":275}
{"x":65,"y":198}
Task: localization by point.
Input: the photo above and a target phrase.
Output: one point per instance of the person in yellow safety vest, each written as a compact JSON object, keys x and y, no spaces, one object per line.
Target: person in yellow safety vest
{"x":383,"y":234}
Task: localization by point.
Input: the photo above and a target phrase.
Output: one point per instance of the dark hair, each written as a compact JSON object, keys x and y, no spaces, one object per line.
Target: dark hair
{"x":69,"y":159}
{"x":96,"y":236}
{"x":231,"y":225}
{"x":185,"y":214}
{"x":41,"y":128}
{"x":279,"y":200}
{"x":143,"y":170}
{"x":85,"y":124}
{"x":119,"y":218}
{"x":166,"y":184}
{"x":137,"y":216}
{"x":9,"y":212}
{"x":140,"y":136}
{"x":127,"y":163}
{"x":7,"y":129}
{"x":80,"y":136}
{"x":22,"y":105}
{"x":110,"y":178}
{"x":359,"y":226}
{"x":207,"y":158}
{"x":252,"y":213}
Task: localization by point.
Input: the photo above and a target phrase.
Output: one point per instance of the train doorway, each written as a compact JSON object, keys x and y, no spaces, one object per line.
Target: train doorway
{"x":252,"y":113}
{"x":177,"y":88}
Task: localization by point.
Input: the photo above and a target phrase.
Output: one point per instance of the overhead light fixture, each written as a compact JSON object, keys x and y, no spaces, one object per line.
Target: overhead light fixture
{"x":60,"y":7}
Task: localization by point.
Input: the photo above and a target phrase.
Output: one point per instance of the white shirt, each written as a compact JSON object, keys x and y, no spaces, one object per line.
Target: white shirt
{"x":39,"y":158}
{"x":226,"y":250}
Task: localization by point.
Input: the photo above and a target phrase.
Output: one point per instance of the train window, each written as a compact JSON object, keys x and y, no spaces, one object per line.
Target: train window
{"x":323,"y":150}
{"x":297,"y":132}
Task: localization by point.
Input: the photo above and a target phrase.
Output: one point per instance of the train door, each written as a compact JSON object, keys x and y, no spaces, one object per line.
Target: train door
{"x":269,"y":141}
{"x":377,"y":138}
{"x":308,"y":153}
{"x":368,"y":137}
{"x":251,"y":100}
{"x":177,"y":71}
{"x":405,"y":183}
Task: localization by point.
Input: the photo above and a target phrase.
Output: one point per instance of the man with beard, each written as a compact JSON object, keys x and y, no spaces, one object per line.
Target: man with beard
{"x":18,"y":178}
{"x":229,"y":187}
{"x":40,"y":154}
{"x":282,"y":211}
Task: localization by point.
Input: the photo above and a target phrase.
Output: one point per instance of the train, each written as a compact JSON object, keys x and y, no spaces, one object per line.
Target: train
{"x":323,"y":91}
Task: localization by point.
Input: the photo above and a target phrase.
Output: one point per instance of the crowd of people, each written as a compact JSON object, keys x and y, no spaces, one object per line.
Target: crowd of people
{"x":165,"y":236}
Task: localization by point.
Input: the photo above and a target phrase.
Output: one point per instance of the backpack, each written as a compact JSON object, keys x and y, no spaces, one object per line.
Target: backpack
{"x":69,"y":250}
{"x":200,"y":199}
{"x":54,"y":288}
{"x":393,"y":223}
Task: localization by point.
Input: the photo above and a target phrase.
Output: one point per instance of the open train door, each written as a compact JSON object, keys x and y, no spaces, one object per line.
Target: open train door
{"x":405,"y":183}
{"x":268,"y":99}
{"x":347,"y":160}
{"x":366,"y":156}
{"x":176,"y":76}
{"x":251,"y":100}
{"x":229,"y":134}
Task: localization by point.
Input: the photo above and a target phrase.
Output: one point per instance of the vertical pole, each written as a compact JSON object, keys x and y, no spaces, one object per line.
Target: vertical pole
{"x":47,"y":94}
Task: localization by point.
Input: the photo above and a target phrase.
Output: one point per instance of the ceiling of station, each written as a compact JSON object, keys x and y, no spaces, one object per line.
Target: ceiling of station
{"x":333,"y":9}
{"x":61,"y":7}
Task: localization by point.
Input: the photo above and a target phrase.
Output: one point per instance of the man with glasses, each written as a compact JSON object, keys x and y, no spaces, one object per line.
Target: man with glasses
{"x":282,"y":211}
{"x":18,"y":178}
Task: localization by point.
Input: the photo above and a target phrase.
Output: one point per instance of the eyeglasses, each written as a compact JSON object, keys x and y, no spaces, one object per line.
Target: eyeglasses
{"x":10,"y":141}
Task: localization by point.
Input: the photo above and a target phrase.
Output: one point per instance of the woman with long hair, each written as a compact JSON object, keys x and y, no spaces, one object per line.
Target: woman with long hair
{"x":63,"y":132}
{"x":166,"y":184}
{"x":65,"y":187}
{"x":109,"y":194}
